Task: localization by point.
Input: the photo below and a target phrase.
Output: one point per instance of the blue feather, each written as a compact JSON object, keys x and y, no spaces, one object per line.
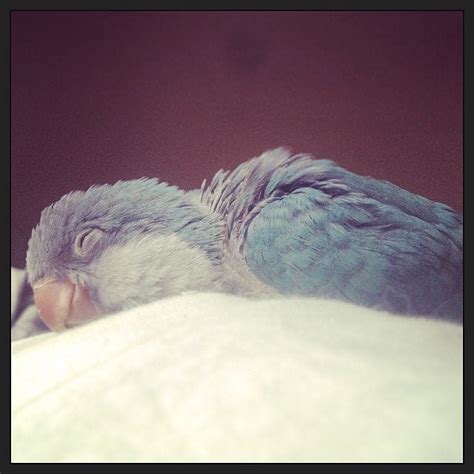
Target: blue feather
{"x":324,"y":231}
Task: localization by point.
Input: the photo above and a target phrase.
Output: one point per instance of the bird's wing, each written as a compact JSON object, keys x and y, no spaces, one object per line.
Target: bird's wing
{"x":311,"y":227}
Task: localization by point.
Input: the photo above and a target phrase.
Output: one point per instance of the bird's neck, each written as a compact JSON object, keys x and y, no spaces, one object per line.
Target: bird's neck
{"x":234,"y":273}
{"x":202,"y":228}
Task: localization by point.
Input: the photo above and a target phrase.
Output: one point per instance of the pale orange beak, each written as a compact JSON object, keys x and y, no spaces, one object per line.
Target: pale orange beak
{"x":61,"y":303}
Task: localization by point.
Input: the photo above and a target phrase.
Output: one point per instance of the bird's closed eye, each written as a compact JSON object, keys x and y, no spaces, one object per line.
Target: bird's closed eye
{"x":87,"y":241}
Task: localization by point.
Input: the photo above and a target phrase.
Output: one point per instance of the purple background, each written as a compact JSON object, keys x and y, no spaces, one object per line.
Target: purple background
{"x":102,"y":96}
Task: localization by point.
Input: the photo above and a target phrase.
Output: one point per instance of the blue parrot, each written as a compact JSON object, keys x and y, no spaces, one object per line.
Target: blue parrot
{"x":279,"y":224}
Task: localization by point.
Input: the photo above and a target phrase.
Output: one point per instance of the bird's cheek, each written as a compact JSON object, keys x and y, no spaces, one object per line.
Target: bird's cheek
{"x":60,"y":303}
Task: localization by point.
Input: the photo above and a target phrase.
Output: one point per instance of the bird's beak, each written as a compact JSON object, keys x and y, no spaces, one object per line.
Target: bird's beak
{"x":61,"y":303}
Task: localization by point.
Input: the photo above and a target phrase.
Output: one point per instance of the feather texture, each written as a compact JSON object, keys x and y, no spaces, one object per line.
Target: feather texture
{"x":277,"y":224}
{"x":310,"y":227}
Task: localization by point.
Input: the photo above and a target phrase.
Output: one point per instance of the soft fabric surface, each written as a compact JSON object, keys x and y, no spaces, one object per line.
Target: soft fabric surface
{"x":211,"y":377}
{"x":24,"y":317}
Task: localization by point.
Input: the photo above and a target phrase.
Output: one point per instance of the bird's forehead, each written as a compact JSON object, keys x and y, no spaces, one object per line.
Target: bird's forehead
{"x":51,"y":240}
{"x":105,"y":205}
{"x":68,"y":215}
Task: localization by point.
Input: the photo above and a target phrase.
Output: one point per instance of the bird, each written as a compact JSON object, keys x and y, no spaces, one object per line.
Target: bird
{"x":279,"y":224}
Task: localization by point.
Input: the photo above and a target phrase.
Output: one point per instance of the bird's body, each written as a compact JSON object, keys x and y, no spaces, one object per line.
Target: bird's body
{"x":277,"y":224}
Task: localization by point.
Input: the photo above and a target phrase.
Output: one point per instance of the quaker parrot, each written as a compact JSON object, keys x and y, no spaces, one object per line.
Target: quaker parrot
{"x":279,"y":224}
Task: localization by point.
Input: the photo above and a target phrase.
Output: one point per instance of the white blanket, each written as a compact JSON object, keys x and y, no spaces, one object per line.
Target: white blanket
{"x":208,"y":377}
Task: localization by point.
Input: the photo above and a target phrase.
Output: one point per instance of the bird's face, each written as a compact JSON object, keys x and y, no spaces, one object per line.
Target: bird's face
{"x":60,"y":282}
{"x":109,"y":248}
{"x":69,"y":236}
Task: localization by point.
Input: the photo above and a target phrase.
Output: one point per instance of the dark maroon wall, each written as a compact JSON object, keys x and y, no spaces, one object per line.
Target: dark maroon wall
{"x":99,"y":96}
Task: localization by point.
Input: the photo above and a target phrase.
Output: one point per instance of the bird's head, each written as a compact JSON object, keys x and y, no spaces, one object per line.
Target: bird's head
{"x":113,"y":247}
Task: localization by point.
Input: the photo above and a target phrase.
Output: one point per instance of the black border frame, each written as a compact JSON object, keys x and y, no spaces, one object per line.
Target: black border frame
{"x":305,"y":5}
